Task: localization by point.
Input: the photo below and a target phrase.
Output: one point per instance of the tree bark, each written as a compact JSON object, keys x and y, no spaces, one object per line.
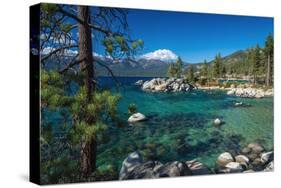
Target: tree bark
{"x":88,"y":148}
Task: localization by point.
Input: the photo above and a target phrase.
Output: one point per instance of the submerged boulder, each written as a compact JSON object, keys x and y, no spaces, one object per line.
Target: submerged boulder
{"x":243,"y":160}
{"x":174,"y":169}
{"x":134,"y":168}
{"x":139,"y":82}
{"x":197,"y":168}
{"x":217,"y":121}
{"x":255,"y":148}
{"x":148,"y":169}
{"x":134,"y":159}
{"x":267,"y":157}
{"x":238,"y":104}
{"x":269,"y":167}
{"x":234,"y":167}
{"x":136,"y":117}
{"x":224,"y":159}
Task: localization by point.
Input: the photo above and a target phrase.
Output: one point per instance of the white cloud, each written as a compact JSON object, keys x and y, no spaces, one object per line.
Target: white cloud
{"x":97,"y":55}
{"x":67,"y":52}
{"x":47,"y":50}
{"x":61,"y":40}
{"x":161,"y":54}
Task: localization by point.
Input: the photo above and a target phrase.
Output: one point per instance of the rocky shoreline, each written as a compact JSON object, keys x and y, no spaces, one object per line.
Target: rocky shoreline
{"x":250,"y":92}
{"x":181,"y":85}
{"x":252,"y":158}
{"x":165,"y":85}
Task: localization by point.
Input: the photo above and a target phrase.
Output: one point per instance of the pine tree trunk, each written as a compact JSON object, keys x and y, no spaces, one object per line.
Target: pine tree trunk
{"x":88,"y":148}
{"x":268,"y":71}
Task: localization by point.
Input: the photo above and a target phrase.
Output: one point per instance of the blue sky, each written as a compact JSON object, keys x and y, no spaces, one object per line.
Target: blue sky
{"x":195,"y":36}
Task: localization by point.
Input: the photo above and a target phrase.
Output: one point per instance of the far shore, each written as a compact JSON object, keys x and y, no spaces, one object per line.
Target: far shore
{"x":246,"y":90}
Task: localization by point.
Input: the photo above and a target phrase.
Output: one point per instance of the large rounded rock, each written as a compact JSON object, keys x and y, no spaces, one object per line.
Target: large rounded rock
{"x":136,"y":118}
{"x":269,"y":167}
{"x":267,"y":157}
{"x":217,"y":121}
{"x":197,"y":168}
{"x":234,"y":167}
{"x":174,"y":169}
{"x":161,"y":87}
{"x":238,"y":104}
{"x":253,"y":156}
{"x":269,"y":92}
{"x":246,"y":150}
{"x":248,"y":171}
{"x":166,"y":85}
{"x":242,"y":160}
{"x":231,"y":92}
{"x":145,"y":170}
{"x":139,"y":82}
{"x":224,"y":159}
{"x":133,"y":160}
{"x":257,"y":164}
{"x":255,"y":148}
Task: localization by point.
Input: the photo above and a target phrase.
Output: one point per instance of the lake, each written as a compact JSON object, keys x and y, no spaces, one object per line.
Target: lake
{"x":180,"y":125}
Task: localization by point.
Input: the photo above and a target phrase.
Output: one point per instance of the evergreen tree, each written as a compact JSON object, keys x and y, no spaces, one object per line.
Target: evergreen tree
{"x":190,"y":73}
{"x":175,"y":69}
{"x":172,"y":71}
{"x":217,"y":66}
{"x":223,"y":71}
{"x":269,"y":45}
{"x":256,"y":62}
{"x":89,"y":105}
{"x":204,"y":69}
{"x":179,"y":67}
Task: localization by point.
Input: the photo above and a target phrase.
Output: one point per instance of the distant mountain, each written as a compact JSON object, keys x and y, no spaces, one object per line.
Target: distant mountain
{"x":153,"y":64}
{"x":236,"y":57}
{"x":129,"y":67}
{"x":156,"y":67}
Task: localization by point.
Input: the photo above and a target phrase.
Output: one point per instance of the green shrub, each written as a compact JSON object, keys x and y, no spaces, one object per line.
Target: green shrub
{"x":202,"y":81}
{"x":132,"y":108}
{"x":227,"y":84}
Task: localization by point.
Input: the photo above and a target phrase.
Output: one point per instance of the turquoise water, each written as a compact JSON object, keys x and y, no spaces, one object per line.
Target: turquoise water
{"x":180,"y":125}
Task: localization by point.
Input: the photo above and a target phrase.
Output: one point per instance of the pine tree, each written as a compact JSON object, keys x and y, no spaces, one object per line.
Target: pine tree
{"x":269,"y":45}
{"x":223,"y":71}
{"x":190,"y":74}
{"x":204,"y":69}
{"x":175,"y":69}
{"x":256,"y":62}
{"x":179,"y":67}
{"x":88,"y":106}
{"x":217,"y":66}
{"x":172,"y":70}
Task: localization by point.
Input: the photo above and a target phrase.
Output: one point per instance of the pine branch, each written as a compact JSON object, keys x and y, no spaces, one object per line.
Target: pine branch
{"x":111,"y":73}
{"x":57,"y":50}
{"x":70,"y":65}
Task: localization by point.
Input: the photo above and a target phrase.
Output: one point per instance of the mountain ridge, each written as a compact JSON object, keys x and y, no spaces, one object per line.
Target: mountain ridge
{"x":154,"y":67}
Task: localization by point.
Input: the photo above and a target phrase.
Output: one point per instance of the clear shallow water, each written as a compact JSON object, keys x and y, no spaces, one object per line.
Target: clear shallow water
{"x":180,"y":125}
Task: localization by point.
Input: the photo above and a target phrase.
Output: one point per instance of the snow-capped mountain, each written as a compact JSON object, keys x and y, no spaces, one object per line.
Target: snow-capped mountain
{"x":161,"y":54}
{"x":150,"y":64}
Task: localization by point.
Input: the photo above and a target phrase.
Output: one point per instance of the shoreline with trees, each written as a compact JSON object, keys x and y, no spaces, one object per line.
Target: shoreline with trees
{"x":255,"y":72}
